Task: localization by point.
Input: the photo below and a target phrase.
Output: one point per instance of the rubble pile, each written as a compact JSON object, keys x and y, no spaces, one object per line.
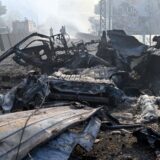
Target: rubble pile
{"x":73,"y":103}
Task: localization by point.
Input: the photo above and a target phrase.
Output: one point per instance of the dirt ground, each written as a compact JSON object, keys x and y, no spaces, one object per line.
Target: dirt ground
{"x":115,"y":145}
{"x":118,"y":144}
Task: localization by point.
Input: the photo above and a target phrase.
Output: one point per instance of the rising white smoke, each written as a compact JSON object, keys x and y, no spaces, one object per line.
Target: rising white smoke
{"x":73,"y":14}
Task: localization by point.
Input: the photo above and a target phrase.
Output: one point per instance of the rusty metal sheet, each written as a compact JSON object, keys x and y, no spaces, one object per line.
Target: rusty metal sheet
{"x":43,"y":125}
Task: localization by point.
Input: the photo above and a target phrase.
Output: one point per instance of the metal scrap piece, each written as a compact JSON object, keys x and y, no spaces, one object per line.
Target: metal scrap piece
{"x":43,"y":125}
{"x":126,"y":45}
{"x":61,"y":147}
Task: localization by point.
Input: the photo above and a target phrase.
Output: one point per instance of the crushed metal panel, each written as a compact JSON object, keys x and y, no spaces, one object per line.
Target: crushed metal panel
{"x":125,"y":44}
{"x":61,"y":147}
{"x":41,"y":127}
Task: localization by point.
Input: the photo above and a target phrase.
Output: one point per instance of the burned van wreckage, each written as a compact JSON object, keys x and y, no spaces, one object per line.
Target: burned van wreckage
{"x":85,"y":100}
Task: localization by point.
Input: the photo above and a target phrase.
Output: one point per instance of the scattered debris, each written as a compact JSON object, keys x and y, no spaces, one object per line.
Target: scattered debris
{"x":43,"y":125}
{"x":113,"y":88}
{"x":147,"y":136}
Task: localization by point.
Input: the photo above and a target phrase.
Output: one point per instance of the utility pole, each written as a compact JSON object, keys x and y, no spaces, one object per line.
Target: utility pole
{"x":8,"y":35}
{"x":103,"y":16}
{"x":149,"y":6}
